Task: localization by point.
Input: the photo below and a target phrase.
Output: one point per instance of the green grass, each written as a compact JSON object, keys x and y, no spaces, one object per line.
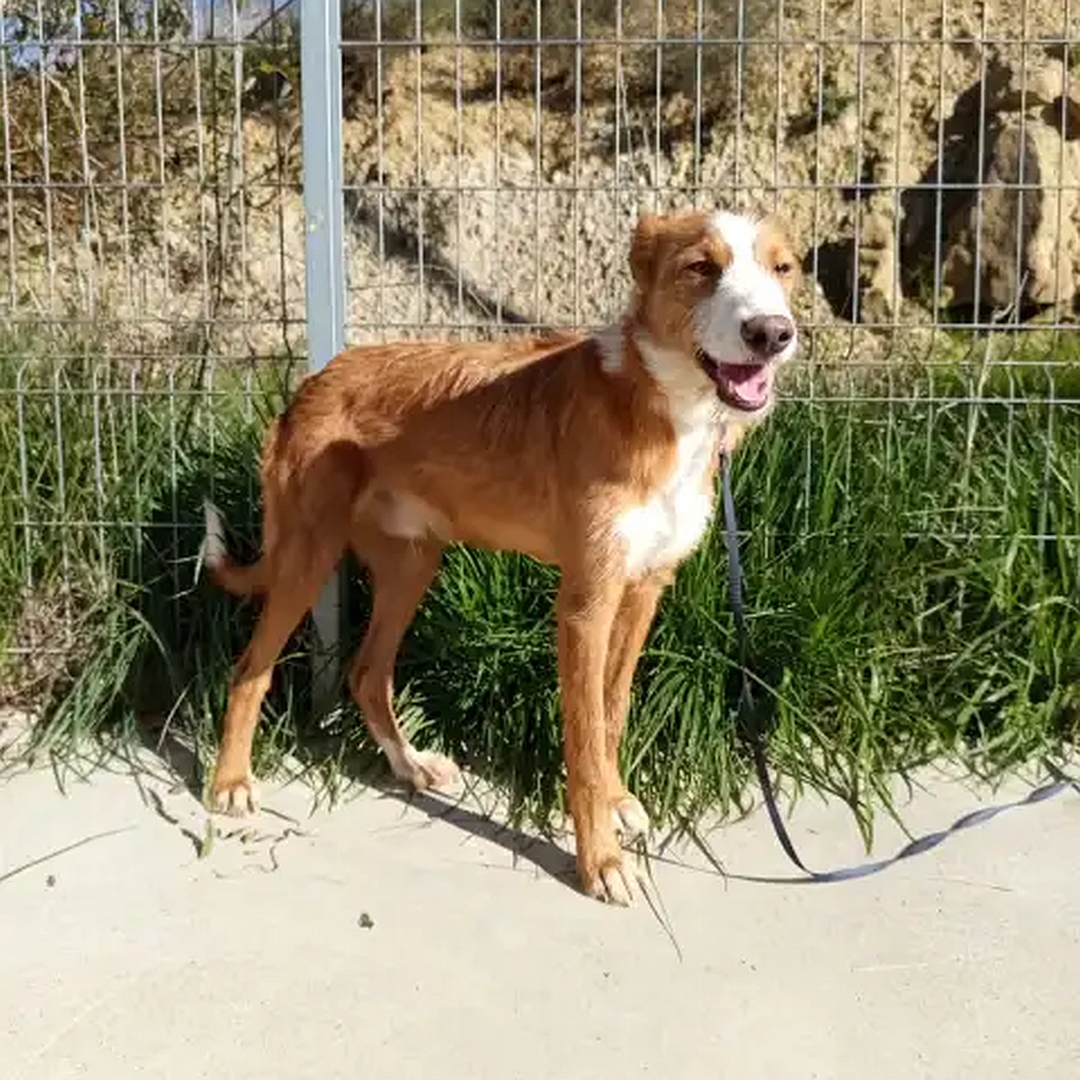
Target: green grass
{"x":913,"y":572}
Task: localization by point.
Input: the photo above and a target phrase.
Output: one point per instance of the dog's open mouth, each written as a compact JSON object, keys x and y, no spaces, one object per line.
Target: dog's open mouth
{"x":746,"y":387}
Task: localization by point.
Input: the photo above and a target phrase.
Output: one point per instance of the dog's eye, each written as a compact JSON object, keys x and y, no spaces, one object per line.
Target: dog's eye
{"x":702,"y":268}
{"x":782,"y":269}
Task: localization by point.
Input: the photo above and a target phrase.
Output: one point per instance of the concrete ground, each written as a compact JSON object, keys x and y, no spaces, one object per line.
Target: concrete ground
{"x":381,"y":939}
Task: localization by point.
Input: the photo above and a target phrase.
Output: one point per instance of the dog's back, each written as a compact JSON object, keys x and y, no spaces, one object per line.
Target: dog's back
{"x":412,"y":422}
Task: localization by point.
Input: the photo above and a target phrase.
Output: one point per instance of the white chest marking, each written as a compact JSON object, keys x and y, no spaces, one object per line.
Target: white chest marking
{"x":669,"y":525}
{"x":664,"y":530}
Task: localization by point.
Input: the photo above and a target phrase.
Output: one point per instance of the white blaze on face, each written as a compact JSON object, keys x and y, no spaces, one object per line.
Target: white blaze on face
{"x":746,"y":289}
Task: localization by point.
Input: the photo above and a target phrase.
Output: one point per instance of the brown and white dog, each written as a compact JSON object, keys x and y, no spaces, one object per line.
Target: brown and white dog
{"x":597,"y":455}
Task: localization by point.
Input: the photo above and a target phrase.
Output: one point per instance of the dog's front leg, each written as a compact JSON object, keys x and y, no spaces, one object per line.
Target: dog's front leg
{"x":587,"y":605}
{"x":628,"y":633}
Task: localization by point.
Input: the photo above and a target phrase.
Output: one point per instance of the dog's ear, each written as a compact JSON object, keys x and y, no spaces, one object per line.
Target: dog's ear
{"x":643,"y":249}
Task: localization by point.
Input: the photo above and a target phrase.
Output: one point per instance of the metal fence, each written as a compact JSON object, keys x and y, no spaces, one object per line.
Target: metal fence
{"x":488,"y":160}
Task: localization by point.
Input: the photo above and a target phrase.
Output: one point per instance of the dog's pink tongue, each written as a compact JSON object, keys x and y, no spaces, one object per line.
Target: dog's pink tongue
{"x":750,"y":383}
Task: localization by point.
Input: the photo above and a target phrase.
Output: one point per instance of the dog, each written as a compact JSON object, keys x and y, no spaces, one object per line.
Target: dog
{"x":597,"y":455}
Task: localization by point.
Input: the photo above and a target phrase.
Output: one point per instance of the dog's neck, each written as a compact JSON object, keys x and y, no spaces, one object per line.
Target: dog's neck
{"x":689,"y":393}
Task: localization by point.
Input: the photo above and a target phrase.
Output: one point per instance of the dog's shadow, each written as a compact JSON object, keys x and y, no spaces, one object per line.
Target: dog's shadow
{"x":539,"y":850}
{"x":542,"y":852}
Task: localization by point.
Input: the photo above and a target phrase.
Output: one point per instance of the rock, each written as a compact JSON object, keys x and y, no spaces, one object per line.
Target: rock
{"x":878,"y":270}
{"x":1010,"y":219}
{"x":1049,"y":92}
{"x":1025,"y":230}
{"x":1016,"y":88}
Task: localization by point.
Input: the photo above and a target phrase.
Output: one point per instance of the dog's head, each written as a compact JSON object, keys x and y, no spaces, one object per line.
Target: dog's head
{"x":712,"y":303}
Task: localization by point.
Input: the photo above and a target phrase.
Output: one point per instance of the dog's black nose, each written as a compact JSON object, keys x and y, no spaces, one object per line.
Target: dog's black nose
{"x":767,"y":335}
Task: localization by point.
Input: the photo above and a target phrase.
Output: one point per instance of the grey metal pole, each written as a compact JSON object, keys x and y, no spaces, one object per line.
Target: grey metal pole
{"x":324,"y":252}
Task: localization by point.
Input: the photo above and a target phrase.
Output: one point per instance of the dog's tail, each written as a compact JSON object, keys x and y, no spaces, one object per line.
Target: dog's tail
{"x":233,"y":578}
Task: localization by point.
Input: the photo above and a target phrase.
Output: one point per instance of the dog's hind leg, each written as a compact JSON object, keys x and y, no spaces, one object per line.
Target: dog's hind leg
{"x":401,"y":571}
{"x":306,"y":547}
{"x":233,"y":788}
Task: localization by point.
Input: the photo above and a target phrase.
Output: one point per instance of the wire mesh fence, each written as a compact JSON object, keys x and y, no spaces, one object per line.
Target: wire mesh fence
{"x":925,"y":156}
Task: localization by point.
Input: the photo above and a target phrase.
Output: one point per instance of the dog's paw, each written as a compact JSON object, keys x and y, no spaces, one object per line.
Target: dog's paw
{"x":434,"y":770}
{"x":425,"y":769}
{"x":613,"y":883}
{"x":629,"y":818}
{"x":234,"y":797}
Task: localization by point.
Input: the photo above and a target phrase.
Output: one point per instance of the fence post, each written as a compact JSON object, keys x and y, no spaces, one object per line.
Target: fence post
{"x":324,"y":255}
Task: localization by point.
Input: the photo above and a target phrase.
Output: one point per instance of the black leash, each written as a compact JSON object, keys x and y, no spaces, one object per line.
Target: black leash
{"x":754,"y":730}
